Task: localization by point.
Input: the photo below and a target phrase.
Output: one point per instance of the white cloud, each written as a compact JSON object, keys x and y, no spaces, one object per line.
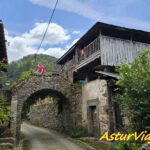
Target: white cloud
{"x":27,"y":43}
{"x":57,"y":52}
{"x":76,"y":32}
{"x":95,"y":10}
{"x":55,"y":34}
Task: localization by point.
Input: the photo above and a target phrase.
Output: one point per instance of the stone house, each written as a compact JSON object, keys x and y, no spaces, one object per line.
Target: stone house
{"x":92,"y":60}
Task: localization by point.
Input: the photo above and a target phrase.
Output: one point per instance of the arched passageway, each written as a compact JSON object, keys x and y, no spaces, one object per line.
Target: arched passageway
{"x":41,"y":95}
{"x":43,"y":85}
{"x":47,"y":108}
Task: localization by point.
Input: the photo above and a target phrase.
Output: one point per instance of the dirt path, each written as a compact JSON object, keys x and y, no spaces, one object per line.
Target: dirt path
{"x":43,"y":139}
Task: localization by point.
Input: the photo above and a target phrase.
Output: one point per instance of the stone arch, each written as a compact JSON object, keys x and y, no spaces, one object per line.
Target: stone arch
{"x":58,"y":114}
{"x":54,"y":83}
{"x":43,"y":94}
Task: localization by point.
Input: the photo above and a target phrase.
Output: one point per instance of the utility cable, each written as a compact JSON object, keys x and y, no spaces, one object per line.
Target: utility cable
{"x":49,"y":22}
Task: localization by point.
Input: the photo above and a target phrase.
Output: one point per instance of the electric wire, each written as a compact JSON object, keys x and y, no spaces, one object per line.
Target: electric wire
{"x":49,"y":22}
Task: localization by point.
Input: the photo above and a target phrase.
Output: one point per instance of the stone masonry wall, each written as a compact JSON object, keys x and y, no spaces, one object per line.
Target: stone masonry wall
{"x":46,"y":116}
{"x":71,"y":116}
{"x":96,"y":91}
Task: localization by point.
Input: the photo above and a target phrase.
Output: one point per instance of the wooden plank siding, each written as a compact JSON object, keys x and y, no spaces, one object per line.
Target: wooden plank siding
{"x":115,"y":51}
{"x":111,"y":51}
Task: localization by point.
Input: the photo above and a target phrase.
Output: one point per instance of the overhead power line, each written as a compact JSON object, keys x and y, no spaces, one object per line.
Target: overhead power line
{"x":49,"y":22}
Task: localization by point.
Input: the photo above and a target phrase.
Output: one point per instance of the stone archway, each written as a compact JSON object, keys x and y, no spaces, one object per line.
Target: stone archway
{"x":47,"y":108}
{"x":56,"y":83}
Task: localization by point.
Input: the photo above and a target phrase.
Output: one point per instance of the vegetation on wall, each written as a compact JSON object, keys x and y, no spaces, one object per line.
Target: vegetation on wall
{"x":22,"y":77}
{"x":3,"y":99}
{"x":4,"y":107}
{"x":3,"y":116}
{"x":45,"y":101}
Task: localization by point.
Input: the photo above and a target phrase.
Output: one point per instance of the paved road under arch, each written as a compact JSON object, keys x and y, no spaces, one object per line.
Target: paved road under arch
{"x":43,"y":139}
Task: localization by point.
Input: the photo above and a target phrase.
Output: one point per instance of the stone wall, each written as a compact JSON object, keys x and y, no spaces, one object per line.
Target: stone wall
{"x":96,"y":93}
{"x":46,"y":115}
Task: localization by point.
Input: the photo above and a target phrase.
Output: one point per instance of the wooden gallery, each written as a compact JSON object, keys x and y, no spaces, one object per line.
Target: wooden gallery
{"x":92,"y":60}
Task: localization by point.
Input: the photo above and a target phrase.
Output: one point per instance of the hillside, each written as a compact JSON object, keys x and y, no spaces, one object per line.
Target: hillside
{"x":16,"y":68}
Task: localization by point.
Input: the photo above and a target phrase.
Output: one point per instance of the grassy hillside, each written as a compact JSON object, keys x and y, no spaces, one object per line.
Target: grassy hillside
{"x":16,"y":68}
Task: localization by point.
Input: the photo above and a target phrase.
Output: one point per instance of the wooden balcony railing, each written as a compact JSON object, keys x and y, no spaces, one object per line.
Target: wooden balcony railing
{"x":88,"y":53}
{"x":89,"y":50}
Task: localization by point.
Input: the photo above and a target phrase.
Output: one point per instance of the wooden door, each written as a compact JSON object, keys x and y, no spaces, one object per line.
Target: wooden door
{"x":94,"y":121}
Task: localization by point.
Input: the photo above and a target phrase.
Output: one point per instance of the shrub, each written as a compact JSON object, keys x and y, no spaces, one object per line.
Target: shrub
{"x":135,"y":91}
{"x":127,"y":145}
{"x":3,"y":116}
{"x":79,"y":132}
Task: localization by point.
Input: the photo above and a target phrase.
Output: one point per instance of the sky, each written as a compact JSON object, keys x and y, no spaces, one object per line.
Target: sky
{"x":25,"y":22}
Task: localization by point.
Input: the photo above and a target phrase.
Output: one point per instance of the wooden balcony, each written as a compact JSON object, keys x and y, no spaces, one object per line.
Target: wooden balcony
{"x":89,"y":53}
{"x":88,"y":60}
{"x":114,"y":51}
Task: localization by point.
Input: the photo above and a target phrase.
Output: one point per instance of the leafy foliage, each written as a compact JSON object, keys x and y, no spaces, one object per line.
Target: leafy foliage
{"x":3,"y":65}
{"x":135,"y":89}
{"x":4,"y":103}
{"x":79,"y":132}
{"x":126,"y":145}
{"x":23,"y":76}
{"x":3,"y":147}
{"x":3,"y":115}
{"x":2,"y":78}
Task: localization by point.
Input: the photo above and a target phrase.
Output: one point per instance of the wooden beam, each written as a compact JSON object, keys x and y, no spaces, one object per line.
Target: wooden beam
{"x":114,"y":75}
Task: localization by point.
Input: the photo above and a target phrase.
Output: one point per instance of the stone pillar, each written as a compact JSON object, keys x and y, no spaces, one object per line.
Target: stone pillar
{"x":14,"y":113}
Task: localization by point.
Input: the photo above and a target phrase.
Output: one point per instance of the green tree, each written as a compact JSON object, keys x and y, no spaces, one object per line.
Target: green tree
{"x":3,"y":116}
{"x":135,"y":89}
{"x":3,"y":100}
{"x":3,"y":66}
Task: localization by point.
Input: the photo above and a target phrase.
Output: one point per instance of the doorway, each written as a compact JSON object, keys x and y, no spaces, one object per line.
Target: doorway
{"x":93,"y":121}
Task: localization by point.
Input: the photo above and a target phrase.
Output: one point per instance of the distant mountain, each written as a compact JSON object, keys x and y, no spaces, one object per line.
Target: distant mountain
{"x":16,"y":68}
